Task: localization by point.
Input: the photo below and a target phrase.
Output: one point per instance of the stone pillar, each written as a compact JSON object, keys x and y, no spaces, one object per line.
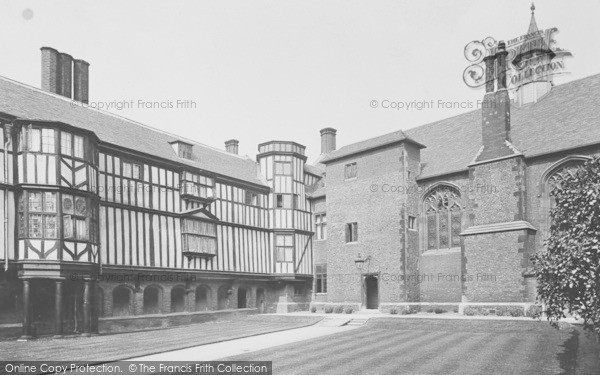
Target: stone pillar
{"x":87,"y":307}
{"x":96,"y":303}
{"x":137,"y":301}
{"x":190,"y":299}
{"x":26,"y":310}
{"x":58,"y":308}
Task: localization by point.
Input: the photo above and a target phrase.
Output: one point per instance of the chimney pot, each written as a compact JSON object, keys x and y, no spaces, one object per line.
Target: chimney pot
{"x":231,"y":146}
{"x":328,"y":140}
{"x":50,"y":71}
{"x":81,"y":80}
{"x":501,"y":57}
{"x":65,"y":68}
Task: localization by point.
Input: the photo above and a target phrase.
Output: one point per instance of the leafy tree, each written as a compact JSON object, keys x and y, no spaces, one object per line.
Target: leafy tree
{"x":568,"y":271}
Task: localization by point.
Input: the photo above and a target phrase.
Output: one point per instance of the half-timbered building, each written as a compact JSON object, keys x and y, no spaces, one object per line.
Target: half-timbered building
{"x":105,"y":218}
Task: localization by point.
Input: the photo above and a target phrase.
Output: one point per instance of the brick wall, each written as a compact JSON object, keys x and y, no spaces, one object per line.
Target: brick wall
{"x":441,"y":275}
{"x":376,"y":201}
{"x":494,"y":265}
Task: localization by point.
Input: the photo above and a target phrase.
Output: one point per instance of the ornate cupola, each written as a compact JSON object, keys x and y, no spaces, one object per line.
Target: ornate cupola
{"x":533,"y":53}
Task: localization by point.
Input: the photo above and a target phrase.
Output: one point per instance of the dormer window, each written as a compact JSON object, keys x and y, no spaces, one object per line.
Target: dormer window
{"x":182,"y":149}
{"x":185,"y":151}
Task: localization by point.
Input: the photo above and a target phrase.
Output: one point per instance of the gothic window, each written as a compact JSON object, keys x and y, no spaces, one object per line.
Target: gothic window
{"x":567,"y":170}
{"x":443,"y":218}
{"x":555,"y":175}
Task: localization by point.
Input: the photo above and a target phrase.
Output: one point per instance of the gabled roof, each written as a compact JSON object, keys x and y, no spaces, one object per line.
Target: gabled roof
{"x":27,"y":102}
{"x":369,"y":144}
{"x":567,"y":117}
{"x":314,"y":170}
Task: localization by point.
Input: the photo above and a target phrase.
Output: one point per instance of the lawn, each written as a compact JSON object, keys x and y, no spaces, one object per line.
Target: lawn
{"x":429,"y":346}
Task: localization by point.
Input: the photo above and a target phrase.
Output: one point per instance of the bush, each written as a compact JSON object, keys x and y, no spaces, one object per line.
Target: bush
{"x":348,"y":310}
{"x":470,"y":311}
{"x":430,"y":309}
{"x":484,"y":311}
{"x":393,"y":311}
{"x":439,"y":310}
{"x":339,"y":309}
{"x":515,"y":311}
{"x":534,"y":311}
{"x":328,"y":309}
{"x":455,"y":310}
{"x":404,"y":311}
{"x":567,"y":269}
{"x":313,"y":309}
{"x":501,"y":311}
{"x":413,"y":309}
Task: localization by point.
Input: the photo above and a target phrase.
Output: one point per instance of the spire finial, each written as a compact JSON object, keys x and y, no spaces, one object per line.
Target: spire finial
{"x":532,"y":8}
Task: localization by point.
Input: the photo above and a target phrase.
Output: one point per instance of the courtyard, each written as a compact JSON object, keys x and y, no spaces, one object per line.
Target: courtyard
{"x":318,"y":344}
{"x":436,"y":346}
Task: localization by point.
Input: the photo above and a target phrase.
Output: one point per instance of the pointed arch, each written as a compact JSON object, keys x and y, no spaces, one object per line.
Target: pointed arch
{"x":442,"y":216}
{"x":554,"y":173}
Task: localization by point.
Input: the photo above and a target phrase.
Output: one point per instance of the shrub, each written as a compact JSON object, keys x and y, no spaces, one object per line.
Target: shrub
{"x":567,"y":269}
{"x":484,"y":311}
{"x":501,"y":311}
{"x":515,"y":311}
{"x":455,"y":310}
{"x":393,"y":311}
{"x":404,"y":311}
{"x":328,"y":309}
{"x":413,"y":309}
{"x":534,"y":311}
{"x":348,"y":310}
{"x":313,"y":309}
{"x":430,"y":309}
{"x":339,"y":309}
{"x":439,"y":310}
{"x":470,"y":311}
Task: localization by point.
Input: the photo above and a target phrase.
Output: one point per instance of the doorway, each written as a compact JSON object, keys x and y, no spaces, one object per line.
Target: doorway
{"x":372,"y":292}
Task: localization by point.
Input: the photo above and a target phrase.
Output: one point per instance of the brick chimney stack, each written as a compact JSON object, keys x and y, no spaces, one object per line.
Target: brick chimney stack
{"x":81,"y":80}
{"x":65,"y":74}
{"x":328,"y":140}
{"x":231,"y":146}
{"x":496,"y":110}
{"x":49,"y":69}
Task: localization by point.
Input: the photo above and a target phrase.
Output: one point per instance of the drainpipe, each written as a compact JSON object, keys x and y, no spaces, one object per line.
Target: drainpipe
{"x":405,"y":183}
{"x":7,"y":142}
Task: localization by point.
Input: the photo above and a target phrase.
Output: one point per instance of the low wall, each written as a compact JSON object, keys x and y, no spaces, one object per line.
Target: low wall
{"x":10,"y":331}
{"x":119,"y":324}
{"x":322,"y":306}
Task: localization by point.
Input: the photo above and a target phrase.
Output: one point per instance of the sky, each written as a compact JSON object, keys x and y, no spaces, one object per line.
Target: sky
{"x":282,"y":70}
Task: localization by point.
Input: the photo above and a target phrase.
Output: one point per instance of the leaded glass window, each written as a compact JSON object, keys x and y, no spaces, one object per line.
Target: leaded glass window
{"x":443,"y":218}
{"x":37,"y":215}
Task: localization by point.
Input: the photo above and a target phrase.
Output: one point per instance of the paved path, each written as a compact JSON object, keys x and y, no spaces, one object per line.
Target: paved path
{"x":215,"y":351}
{"x":428,"y":346}
{"x":106,"y":348}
